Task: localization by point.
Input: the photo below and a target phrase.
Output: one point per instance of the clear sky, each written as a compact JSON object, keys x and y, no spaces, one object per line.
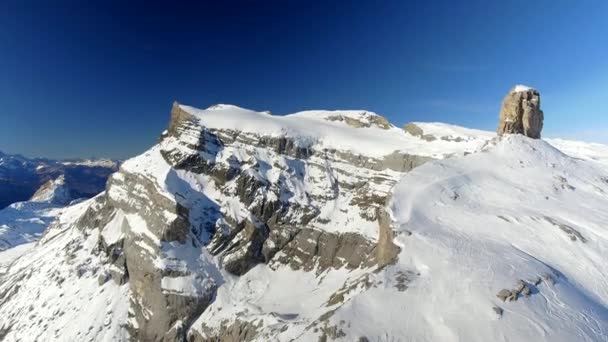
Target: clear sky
{"x":97,"y":78}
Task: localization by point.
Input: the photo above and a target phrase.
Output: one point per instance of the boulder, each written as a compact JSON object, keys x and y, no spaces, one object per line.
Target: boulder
{"x":414,"y":130}
{"x":521,"y":113}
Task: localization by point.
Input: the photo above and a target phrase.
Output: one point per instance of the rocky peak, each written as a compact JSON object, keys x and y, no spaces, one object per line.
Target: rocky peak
{"x":53,"y":191}
{"x":520,"y":113}
{"x":178,"y":118}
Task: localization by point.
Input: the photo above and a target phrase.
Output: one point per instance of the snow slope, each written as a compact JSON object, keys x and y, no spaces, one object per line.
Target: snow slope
{"x":25,"y":222}
{"x":62,"y":297}
{"x":582,"y":150}
{"x":519,"y":209}
{"x":439,"y":129}
{"x":22,"y":224}
{"x":573,"y":148}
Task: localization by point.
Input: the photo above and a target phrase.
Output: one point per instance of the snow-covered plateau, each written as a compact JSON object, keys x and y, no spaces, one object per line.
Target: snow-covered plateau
{"x":320,"y":226}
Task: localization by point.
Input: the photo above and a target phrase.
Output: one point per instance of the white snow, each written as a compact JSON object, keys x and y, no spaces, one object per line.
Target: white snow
{"x":25,"y":222}
{"x":57,"y":300}
{"x":112,"y":232}
{"x":477,"y":138}
{"x":309,"y":129}
{"x":7,"y":256}
{"x":139,"y":226}
{"x":438,"y":130}
{"x":521,"y":88}
{"x":582,"y":150}
{"x":479,"y":223}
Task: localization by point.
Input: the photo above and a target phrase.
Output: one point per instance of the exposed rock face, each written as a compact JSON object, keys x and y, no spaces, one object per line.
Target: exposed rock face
{"x":179,"y":118}
{"x":283,"y":229}
{"x":364,"y":119}
{"x":237,"y":331}
{"x":521,"y":113}
{"x":148,"y":254}
{"x":414,"y":130}
{"x":386,"y":250}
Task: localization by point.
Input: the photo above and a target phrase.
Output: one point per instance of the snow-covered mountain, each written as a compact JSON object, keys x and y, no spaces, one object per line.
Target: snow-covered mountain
{"x":20,"y":177}
{"x":325,"y":225}
{"x":24,"y":223}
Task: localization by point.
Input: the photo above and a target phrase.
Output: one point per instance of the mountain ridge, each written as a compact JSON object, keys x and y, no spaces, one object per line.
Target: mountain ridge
{"x":255,"y":228}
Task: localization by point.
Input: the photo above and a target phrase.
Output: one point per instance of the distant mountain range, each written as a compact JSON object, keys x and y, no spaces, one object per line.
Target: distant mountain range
{"x":20,"y":177}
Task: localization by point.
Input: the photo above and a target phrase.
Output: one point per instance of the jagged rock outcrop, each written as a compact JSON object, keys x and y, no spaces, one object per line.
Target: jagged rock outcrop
{"x":363,"y":119}
{"x":520,"y":113}
{"x":413,"y":129}
{"x":418,"y":132}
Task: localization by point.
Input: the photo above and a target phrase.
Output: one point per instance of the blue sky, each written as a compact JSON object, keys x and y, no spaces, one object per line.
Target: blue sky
{"x":82,"y":79}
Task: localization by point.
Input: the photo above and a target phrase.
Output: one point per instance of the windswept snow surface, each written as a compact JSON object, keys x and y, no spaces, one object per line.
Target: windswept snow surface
{"x":25,"y":222}
{"x":311,"y":128}
{"x":21,"y":225}
{"x":574,"y":148}
{"x":582,"y":150}
{"x":439,"y":130}
{"x":521,"y":88}
{"x":518,"y":210}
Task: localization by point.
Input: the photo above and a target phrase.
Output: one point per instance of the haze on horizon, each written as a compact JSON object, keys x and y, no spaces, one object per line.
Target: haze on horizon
{"x":84,"y":79}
